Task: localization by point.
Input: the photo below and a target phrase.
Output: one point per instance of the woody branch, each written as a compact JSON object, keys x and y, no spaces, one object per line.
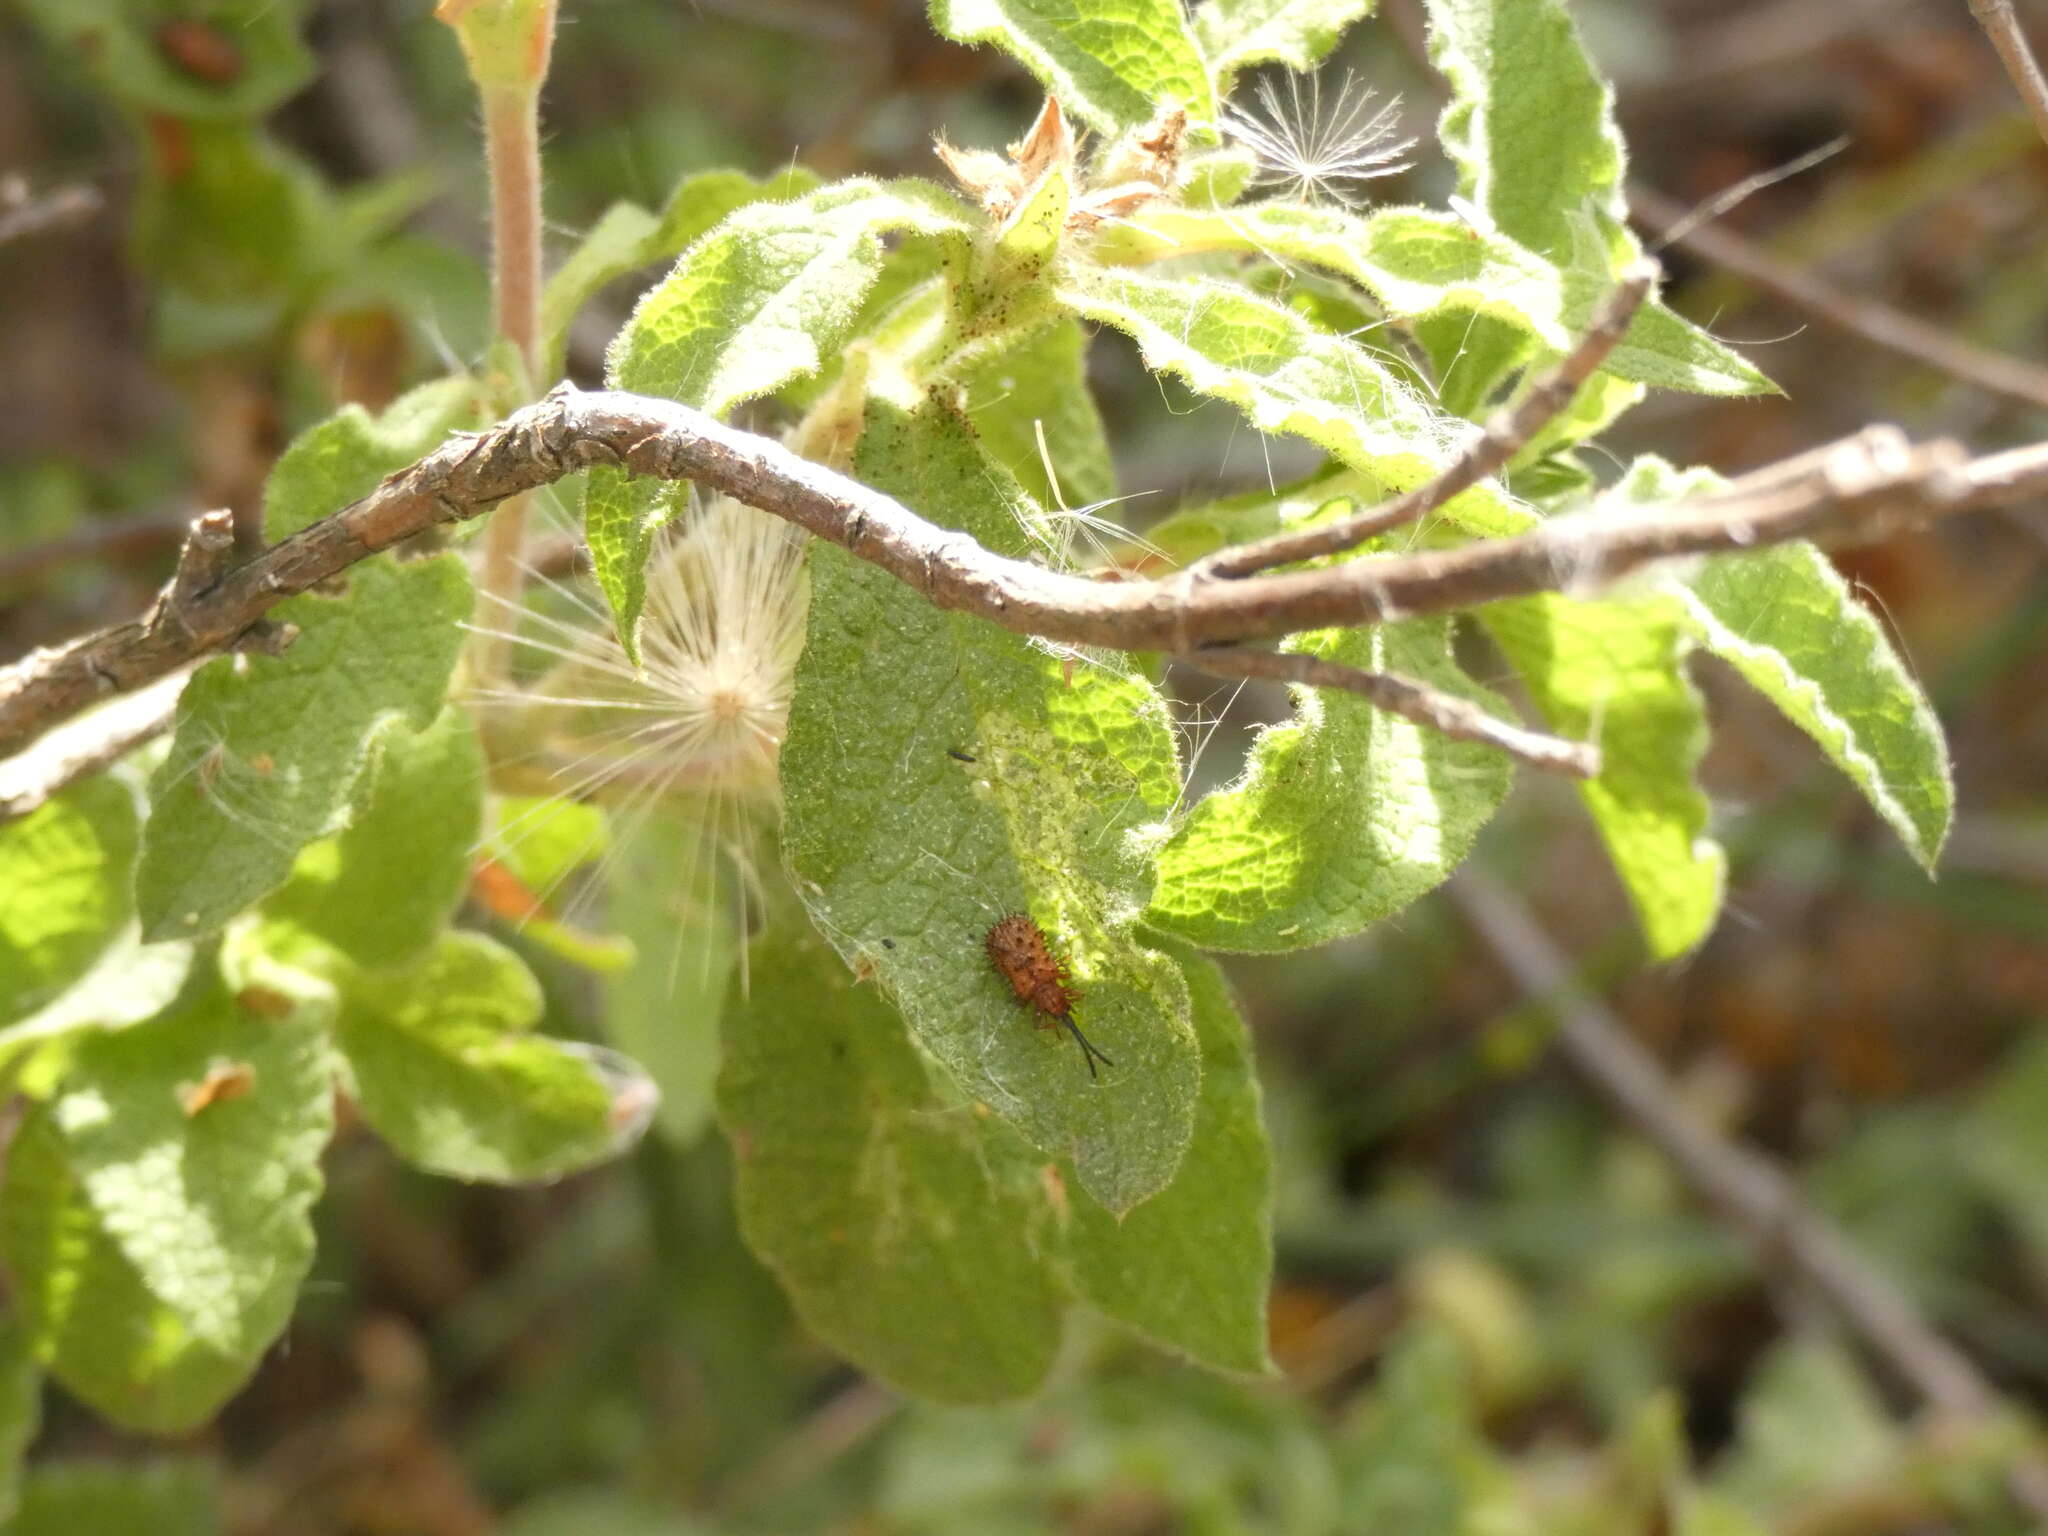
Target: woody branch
{"x":1865,"y":487}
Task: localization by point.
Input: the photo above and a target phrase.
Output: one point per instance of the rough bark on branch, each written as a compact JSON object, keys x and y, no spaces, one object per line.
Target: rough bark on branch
{"x":1866,"y":487}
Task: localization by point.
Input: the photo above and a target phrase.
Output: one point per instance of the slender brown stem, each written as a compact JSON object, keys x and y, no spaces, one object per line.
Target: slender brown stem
{"x":1509,"y":431}
{"x":512,"y":152}
{"x":2003,"y":28}
{"x":1866,"y":487}
{"x":1441,"y":712}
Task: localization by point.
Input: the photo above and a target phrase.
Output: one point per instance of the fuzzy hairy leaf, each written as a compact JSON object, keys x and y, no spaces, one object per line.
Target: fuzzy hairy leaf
{"x":383,"y":890}
{"x":65,"y":872}
{"x":196,"y":1138}
{"x":90,"y":1320}
{"x":1786,"y":620}
{"x":336,"y":461}
{"x":939,"y":774}
{"x":1296,"y":33}
{"x":445,"y":1067}
{"x":627,"y":236}
{"x":907,"y":1234}
{"x":1423,"y":265}
{"x":1111,"y":63}
{"x":1531,"y":128}
{"x":1190,"y":1268}
{"x":1341,"y":817}
{"x":1613,"y":673}
{"x":131,"y":981}
{"x":758,"y":303}
{"x":1044,"y":380}
{"x":269,"y":748}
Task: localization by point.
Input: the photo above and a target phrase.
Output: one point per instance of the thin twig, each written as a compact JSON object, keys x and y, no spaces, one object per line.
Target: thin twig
{"x":1878,"y":324}
{"x":22,"y":215}
{"x":2003,"y":28}
{"x":1739,"y":1183}
{"x":1442,"y":712}
{"x":110,"y":539}
{"x":1866,"y":487}
{"x":82,"y":747}
{"x":1509,"y":431}
{"x":1751,"y":1193}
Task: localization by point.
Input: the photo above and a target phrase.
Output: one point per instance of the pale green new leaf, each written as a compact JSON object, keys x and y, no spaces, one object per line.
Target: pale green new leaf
{"x":1786,"y":620}
{"x":627,"y":236}
{"x":65,"y":873}
{"x":383,"y":890}
{"x":939,"y":774}
{"x":1190,"y":1268}
{"x":1342,"y":817}
{"x":196,"y":1139}
{"x":758,"y":303}
{"x":906,"y":1227}
{"x":1531,"y":128}
{"x":445,"y":1067}
{"x":21,"y":1411}
{"x":1296,"y":33}
{"x":89,"y":1318}
{"x":269,"y":748}
{"x":1613,"y":673}
{"x":1111,"y":63}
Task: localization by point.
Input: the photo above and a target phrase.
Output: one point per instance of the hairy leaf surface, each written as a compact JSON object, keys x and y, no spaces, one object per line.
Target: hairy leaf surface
{"x":940,"y":774}
{"x":1111,"y":63}
{"x":65,"y":873}
{"x":1296,"y":33}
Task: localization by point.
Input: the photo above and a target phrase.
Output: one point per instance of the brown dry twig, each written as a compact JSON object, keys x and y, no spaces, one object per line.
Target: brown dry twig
{"x":1510,"y":430}
{"x":22,"y":215}
{"x":1866,"y":487}
{"x":2003,"y":28}
{"x":1751,"y":1194}
{"x":1442,"y":712}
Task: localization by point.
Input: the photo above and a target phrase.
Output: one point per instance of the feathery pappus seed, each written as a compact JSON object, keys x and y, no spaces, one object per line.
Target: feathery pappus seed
{"x":1018,"y":950}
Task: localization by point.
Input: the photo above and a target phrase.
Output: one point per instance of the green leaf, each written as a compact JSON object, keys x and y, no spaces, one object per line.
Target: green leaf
{"x":758,"y":303}
{"x":664,"y":1010}
{"x":1786,"y":620}
{"x":131,"y":981}
{"x":1190,"y":1268}
{"x":1043,"y":381}
{"x":21,"y":1412}
{"x":1423,"y":265}
{"x":898,"y":1218}
{"x":1342,"y":817}
{"x":226,"y":226}
{"x":89,"y":1317}
{"x":165,"y":1496}
{"x":445,"y":1068}
{"x":1531,"y":128}
{"x":939,"y":774}
{"x":1418,"y":1462}
{"x":627,"y":237}
{"x":2006,"y":1143}
{"x":269,"y":748}
{"x":1613,"y":673}
{"x":1296,"y":33}
{"x":1111,"y":63}
{"x":65,"y":870}
{"x":196,"y":1138}
{"x":384,"y":889}
{"x":249,"y":59}
{"x":340,"y":459}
